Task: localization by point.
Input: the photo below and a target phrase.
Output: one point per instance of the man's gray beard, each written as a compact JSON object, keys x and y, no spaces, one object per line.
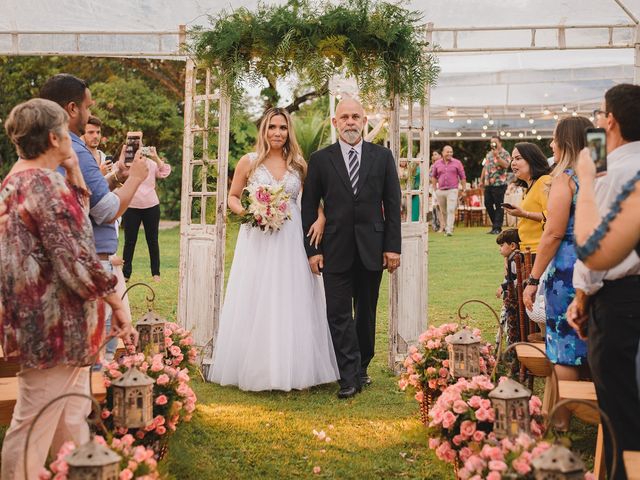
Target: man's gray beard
{"x":351,"y":136}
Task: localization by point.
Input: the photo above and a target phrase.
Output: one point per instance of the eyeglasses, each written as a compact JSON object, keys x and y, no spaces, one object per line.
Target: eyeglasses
{"x":597,"y":112}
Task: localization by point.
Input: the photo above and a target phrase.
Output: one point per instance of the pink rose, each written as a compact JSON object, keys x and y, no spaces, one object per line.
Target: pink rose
{"x":448,"y":419}
{"x":460,"y":406}
{"x":494,"y":476}
{"x":125,"y":474}
{"x":161,"y":400}
{"x":163,"y":379}
{"x":467,"y":428}
{"x":444,"y":372}
{"x":482,"y":414}
{"x":433,"y":443}
{"x":402,"y":383}
{"x":521,"y":466}
{"x":140,"y":434}
{"x":175,"y":350}
{"x":485,"y":403}
{"x":535,"y":405}
{"x":445,"y":363}
{"x":465,"y":453}
{"x":161,"y":430}
{"x":498,"y":465}
{"x":457,"y":440}
{"x":474,"y":401}
{"x":105,"y":414}
{"x":478,"y":436}
{"x":419,"y":396}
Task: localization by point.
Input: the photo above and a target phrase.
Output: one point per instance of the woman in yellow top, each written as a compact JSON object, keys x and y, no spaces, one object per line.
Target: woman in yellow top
{"x":531,"y":169}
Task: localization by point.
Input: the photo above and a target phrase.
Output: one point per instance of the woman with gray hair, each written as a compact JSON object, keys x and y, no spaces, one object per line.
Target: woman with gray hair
{"x":50,"y":280}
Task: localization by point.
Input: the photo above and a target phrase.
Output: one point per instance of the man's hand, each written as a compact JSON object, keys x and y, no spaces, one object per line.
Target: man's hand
{"x":585,"y":166}
{"x":391,"y":261}
{"x":70,"y":163}
{"x":499,"y":292}
{"x":139,"y":169}
{"x":316,"y":263}
{"x":577,"y":315}
{"x":529,"y":295}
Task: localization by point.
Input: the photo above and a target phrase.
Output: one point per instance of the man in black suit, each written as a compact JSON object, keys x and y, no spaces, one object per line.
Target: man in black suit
{"x":358,"y":184}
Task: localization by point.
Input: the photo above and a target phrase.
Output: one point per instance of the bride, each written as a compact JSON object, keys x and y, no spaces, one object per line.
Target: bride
{"x":273,"y":332}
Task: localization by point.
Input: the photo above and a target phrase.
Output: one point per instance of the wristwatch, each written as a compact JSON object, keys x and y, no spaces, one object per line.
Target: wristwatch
{"x":533,"y":281}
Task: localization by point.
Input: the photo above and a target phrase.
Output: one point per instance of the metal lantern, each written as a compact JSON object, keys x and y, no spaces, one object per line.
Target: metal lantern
{"x":510,"y":401}
{"x":558,"y":463}
{"x":464,"y":354}
{"x":93,"y":461}
{"x":132,"y":399}
{"x":151,"y":333}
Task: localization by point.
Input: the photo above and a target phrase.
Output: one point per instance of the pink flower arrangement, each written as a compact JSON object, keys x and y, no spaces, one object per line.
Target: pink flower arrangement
{"x":174,"y":400}
{"x":266,"y":206}
{"x":137,"y":461}
{"x":427,"y":364}
{"x":462,"y":421}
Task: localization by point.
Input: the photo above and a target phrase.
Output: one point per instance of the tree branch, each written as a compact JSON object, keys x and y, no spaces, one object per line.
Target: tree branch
{"x":298,"y":101}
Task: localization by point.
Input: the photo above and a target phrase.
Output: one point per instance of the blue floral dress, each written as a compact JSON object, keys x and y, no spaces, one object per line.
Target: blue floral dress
{"x":562,"y":342}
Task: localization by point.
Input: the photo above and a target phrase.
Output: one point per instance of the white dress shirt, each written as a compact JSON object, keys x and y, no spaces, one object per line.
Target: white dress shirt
{"x":622,"y":164}
{"x":345,"y":147}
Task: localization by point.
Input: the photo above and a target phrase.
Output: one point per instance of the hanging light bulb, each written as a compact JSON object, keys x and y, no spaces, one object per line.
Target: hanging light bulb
{"x":574,"y":114}
{"x":502,"y":133}
{"x":522,"y":114}
{"x":451,"y":120}
{"x":591,"y":118}
{"x":508,"y":134}
{"x":531,"y":121}
{"x":546,"y":111}
{"x":555,"y":116}
{"x":338,"y":97}
{"x":485,"y":114}
{"x":534,"y":131}
{"x":484,"y":127}
{"x":521,"y":135}
{"x":458,"y":133}
{"x":491,"y":122}
{"x":564,"y":108}
{"x":436,"y":132}
{"x":468,"y":120}
{"x":483,"y":135}
{"x":539,"y":137}
{"x":450,"y":113}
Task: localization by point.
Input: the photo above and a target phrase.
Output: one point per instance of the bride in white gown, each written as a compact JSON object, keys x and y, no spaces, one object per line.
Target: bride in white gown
{"x":273,"y":332}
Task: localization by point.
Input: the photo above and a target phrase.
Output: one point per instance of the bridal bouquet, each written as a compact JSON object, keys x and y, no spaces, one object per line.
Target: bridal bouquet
{"x":267,"y":206}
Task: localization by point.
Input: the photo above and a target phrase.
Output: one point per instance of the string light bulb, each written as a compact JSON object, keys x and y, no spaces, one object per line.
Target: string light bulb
{"x":485,"y":114}
{"x":564,"y":109}
{"x":546,"y":111}
{"x":458,"y":133}
{"x":491,"y":122}
{"x":522,"y":114}
{"x":531,"y":121}
{"x":483,"y":135}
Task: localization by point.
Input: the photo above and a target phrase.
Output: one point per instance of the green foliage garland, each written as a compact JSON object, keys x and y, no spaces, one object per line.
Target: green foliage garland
{"x":380,"y":43}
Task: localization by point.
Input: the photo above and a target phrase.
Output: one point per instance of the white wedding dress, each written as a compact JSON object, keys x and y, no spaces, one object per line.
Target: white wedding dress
{"x":273,"y":332}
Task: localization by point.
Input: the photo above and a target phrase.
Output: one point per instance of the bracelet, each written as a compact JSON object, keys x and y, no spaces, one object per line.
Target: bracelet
{"x":533,"y":281}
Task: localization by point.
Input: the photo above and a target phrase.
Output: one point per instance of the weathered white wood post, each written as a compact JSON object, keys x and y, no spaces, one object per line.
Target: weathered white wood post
{"x":203,"y":204}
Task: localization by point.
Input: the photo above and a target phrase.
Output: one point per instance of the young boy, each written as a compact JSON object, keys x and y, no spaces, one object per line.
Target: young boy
{"x":509,"y":242}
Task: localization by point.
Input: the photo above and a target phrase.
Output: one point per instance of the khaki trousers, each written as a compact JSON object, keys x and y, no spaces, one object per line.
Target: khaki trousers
{"x":448,"y":201}
{"x":64,"y":420}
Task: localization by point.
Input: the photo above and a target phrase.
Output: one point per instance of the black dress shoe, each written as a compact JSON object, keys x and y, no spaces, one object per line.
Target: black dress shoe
{"x":365,"y":380}
{"x":347,"y":392}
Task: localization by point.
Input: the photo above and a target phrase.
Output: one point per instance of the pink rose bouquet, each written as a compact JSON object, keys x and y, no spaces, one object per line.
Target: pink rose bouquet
{"x":137,"y":462}
{"x":266,"y":206}
{"x":462,"y":420}
{"x":426,"y":367}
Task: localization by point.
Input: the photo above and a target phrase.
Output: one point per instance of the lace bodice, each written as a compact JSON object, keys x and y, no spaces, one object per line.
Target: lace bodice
{"x":291,"y":179}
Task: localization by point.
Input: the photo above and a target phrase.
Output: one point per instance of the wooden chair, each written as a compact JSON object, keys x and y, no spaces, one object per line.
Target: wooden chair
{"x":475,"y":213}
{"x":632,"y":465}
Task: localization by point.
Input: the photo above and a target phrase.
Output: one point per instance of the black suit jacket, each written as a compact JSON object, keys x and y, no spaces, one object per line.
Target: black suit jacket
{"x":368,"y":222}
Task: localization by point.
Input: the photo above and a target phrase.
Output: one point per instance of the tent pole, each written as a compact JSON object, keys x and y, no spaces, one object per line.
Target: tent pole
{"x":636,"y":47}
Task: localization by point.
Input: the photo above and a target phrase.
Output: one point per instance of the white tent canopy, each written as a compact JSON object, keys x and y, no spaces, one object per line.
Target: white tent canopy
{"x":526,"y":56}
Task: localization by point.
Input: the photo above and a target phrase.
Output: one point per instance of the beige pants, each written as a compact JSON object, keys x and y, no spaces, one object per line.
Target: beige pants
{"x":448,"y":202}
{"x":64,"y":420}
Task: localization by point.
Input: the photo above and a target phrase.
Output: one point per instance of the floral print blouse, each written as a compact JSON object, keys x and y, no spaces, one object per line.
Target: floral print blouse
{"x":50,"y":274}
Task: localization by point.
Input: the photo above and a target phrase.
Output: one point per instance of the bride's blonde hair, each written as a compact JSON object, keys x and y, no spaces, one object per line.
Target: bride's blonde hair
{"x":290,"y":151}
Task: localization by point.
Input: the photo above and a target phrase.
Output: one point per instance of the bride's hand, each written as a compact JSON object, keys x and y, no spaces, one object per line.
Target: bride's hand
{"x":316,"y":231}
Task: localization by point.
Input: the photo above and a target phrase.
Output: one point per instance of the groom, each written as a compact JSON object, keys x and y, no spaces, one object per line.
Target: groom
{"x":358,"y":183}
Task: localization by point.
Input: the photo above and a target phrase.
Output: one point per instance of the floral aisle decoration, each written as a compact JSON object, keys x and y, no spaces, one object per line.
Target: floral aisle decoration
{"x":426,"y":367}
{"x":174,"y":400}
{"x":136,"y":461}
{"x":462,"y":420}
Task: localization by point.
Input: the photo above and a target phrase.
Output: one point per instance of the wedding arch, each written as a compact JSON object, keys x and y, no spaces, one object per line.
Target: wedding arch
{"x":383,"y":47}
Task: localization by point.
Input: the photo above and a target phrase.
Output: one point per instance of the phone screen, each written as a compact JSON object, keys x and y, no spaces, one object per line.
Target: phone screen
{"x":131,"y":147}
{"x":597,"y":145}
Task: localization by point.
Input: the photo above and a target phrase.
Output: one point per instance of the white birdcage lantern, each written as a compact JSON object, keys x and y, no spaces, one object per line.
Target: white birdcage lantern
{"x":93,"y":461}
{"x":510,"y":402}
{"x":150,"y":329}
{"x":558,"y":463}
{"x":464,"y":354}
{"x":132,"y":399}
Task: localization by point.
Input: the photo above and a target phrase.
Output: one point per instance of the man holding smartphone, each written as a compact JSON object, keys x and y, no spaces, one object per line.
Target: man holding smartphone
{"x":92,"y":137}
{"x":608,"y":302}
{"x":494,"y":179}
{"x":105,"y":206}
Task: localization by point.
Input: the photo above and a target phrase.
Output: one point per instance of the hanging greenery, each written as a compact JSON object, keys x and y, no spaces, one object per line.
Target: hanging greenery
{"x":381,"y":44}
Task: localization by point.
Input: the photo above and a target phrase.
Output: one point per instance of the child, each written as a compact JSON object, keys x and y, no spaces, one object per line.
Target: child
{"x":509,"y":242}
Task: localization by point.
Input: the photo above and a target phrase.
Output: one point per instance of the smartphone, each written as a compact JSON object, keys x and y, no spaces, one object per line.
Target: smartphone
{"x":596,"y":139}
{"x":134,"y":141}
{"x":6,"y":192}
{"x":507,"y":205}
{"x":108,"y":161}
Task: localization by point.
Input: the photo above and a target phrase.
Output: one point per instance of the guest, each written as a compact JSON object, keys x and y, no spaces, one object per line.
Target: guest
{"x":495,"y":170}
{"x":145,"y":208}
{"x":531,"y":169}
{"x":509,"y":242}
{"x":438,"y":218}
{"x":49,"y":282}
{"x":608,"y":301}
{"x":415,"y":199}
{"x":556,"y":251}
{"x":448,"y":179}
{"x":92,"y":137}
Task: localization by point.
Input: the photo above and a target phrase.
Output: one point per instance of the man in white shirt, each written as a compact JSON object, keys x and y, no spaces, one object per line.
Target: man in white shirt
{"x":608,"y":303}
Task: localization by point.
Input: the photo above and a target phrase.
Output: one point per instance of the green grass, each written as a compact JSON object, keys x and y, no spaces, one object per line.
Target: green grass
{"x":237,"y":435}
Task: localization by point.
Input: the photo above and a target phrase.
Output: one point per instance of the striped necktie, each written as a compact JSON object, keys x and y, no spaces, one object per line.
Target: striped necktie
{"x":354,"y":169}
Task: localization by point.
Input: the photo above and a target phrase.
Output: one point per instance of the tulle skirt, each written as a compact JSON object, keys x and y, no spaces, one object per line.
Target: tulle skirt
{"x":273,"y":332}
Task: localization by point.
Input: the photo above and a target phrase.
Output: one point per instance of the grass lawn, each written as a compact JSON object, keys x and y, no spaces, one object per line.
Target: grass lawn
{"x":237,"y":435}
